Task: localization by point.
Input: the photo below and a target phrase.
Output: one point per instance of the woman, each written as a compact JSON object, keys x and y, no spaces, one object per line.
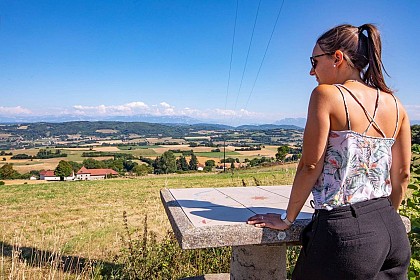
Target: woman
{"x":355,"y":160}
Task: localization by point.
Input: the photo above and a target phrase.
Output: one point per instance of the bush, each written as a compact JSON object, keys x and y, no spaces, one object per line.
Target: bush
{"x":410,"y":207}
{"x":2,"y":183}
{"x":144,"y":257}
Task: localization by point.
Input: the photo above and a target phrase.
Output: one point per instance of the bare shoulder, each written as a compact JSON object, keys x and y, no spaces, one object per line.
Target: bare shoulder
{"x":325,"y":89}
{"x":326,"y":94}
{"x":403,"y":112}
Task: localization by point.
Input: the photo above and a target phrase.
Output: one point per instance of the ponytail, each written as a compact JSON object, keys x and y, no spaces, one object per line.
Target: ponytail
{"x":373,"y":75}
{"x":361,"y":51}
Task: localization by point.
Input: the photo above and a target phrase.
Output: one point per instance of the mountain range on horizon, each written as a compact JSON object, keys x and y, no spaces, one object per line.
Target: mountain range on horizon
{"x":178,"y":120}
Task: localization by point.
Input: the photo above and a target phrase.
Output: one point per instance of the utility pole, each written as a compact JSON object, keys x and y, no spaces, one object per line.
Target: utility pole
{"x":224,"y":153}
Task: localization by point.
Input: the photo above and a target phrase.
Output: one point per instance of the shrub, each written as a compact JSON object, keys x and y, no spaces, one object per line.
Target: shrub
{"x":410,"y":207}
{"x":2,"y":183}
{"x":144,"y":257}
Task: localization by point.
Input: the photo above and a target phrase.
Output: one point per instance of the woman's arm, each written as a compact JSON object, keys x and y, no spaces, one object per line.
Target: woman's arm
{"x":310,"y":165}
{"x":314,"y":144}
{"x":401,"y":159}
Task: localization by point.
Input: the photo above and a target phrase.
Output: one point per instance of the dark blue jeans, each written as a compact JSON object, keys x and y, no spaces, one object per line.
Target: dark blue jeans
{"x":366,"y":240}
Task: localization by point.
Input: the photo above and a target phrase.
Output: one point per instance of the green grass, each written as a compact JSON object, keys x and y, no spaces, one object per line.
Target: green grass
{"x":87,"y":206}
{"x":85,"y":218}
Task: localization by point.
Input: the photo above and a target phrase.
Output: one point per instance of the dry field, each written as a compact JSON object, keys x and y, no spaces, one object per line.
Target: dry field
{"x":106,"y":149}
{"x":25,"y":182}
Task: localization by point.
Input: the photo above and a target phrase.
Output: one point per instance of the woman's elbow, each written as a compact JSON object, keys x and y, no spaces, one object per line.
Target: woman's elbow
{"x":311,"y":168}
{"x":401,"y":180}
{"x":405,"y":177}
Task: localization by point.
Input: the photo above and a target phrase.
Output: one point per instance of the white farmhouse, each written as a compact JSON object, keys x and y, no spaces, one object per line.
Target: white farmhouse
{"x":48,"y":175}
{"x":95,"y":174}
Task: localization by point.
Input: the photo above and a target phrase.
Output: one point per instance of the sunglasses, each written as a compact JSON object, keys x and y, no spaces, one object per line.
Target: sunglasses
{"x":314,"y":62}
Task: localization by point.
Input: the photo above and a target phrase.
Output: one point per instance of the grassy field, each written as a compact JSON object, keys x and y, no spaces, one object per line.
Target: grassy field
{"x":85,"y":218}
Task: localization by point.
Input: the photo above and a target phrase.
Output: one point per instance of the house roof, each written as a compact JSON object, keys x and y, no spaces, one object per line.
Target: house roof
{"x":97,"y":172}
{"x":47,"y":173}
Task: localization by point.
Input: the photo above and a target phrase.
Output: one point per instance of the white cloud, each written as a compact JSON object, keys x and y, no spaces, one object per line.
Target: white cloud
{"x":227,"y":116}
{"x":165,"y":109}
{"x":165,"y":105}
{"x":413,"y":111}
{"x":137,"y":105}
{"x":128,"y":109}
{"x":18,"y":110}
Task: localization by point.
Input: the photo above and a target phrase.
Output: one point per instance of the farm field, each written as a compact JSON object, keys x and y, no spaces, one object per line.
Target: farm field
{"x":75,"y":154}
{"x":84,"y":219}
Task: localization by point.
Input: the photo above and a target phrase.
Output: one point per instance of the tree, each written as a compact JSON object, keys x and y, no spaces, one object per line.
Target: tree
{"x":75,"y":165}
{"x":165,"y":164}
{"x":7,"y":172}
{"x":63,"y":169}
{"x":129,"y":165}
{"x":34,"y":173}
{"x":282,"y":152}
{"x":415,"y":134}
{"x":182,"y":164}
{"x":91,"y":163}
{"x":210,"y":163}
{"x":193,"y":164}
{"x":142,"y":170}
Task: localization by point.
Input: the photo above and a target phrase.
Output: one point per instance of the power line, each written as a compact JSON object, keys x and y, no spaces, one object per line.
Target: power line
{"x":265,"y":53}
{"x":247,"y":55}
{"x":227,"y":90}
{"x":231,"y":53}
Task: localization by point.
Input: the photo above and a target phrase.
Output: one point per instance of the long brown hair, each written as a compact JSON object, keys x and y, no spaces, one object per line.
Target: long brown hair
{"x":361,"y":51}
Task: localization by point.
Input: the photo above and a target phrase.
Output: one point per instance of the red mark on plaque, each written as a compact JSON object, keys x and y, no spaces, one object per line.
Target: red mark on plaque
{"x":204,"y":221}
{"x":259,"y":197}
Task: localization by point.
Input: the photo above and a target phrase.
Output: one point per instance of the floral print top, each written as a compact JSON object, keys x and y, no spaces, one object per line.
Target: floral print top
{"x":356,"y":167}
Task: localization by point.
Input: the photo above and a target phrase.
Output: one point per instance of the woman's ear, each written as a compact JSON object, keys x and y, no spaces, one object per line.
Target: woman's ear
{"x":338,"y":57}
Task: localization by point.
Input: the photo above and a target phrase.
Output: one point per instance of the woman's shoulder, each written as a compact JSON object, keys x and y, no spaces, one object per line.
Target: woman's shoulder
{"x":325,"y":93}
{"x":325,"y":89}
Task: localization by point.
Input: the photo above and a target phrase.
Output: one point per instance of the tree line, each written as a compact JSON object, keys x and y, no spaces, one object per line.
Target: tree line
{"x":42,"y":154}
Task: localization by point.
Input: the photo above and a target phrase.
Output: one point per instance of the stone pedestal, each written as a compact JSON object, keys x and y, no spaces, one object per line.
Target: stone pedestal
{"x":262,"y":262}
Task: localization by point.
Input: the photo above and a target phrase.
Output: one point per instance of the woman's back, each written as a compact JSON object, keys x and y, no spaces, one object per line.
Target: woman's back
{"x":386,"y":117}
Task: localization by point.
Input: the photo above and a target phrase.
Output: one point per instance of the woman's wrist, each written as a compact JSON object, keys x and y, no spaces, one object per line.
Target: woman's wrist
{"x":285,"y":220}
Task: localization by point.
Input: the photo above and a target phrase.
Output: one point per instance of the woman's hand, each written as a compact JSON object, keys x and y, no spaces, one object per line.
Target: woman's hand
{"x":269,"y":220}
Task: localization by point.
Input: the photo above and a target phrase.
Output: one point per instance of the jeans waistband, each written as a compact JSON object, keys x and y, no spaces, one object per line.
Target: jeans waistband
{"x":354,"y":210}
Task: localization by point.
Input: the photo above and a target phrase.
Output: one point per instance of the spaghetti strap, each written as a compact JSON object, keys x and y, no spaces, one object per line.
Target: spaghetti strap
{"x":398,"y":116}
{"x":371,"y":119}
{"x":345,"y":106}
{"x":378,"y":96}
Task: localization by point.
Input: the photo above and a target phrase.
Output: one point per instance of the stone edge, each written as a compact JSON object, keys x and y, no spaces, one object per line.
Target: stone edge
{"x":190,"y":237}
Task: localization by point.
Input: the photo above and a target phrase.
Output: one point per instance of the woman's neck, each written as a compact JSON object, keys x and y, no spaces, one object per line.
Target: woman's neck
{"x":350,"y":78}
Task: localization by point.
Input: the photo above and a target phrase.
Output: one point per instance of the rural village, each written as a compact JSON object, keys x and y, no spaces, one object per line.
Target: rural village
{"x":102,"y":150}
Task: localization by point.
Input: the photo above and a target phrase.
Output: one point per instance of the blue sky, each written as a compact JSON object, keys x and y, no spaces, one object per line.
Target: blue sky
{"x":123,"y":58}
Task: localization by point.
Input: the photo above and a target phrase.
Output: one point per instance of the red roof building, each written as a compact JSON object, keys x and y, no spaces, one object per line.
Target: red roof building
{"x":48,"y":175}
{"x":95,"y":174}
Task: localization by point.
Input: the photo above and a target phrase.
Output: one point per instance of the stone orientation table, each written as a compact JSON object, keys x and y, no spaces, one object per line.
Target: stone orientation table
{"x":215,"y":217}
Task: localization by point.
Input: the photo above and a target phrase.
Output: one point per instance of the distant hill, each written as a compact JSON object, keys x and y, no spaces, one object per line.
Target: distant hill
{"x":301,"y":122}
{"x":110,"y":128}
{"x":267,"y":127}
